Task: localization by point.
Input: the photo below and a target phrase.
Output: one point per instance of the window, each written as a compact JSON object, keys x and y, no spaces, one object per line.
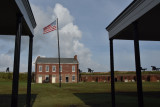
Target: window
{"x":53,"y":68}
{"x":61,"y":68}
{"x":40,"y":68}
{"x":47,"y":78}
{"x":47,"y":68}
{"x":73,"y":77}
{"x":73,"y":68}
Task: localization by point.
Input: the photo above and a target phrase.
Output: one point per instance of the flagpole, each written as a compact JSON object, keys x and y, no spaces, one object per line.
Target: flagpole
{"x":59,"y":55}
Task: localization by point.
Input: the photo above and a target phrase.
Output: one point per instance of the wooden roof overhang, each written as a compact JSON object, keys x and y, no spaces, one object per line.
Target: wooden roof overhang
{"x":145,"y":13}
{"x":9,"y":10}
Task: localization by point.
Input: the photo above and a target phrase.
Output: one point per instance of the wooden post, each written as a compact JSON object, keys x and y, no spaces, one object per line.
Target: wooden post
{"x":138,"y":65}
{"x":28,"y":100}
{"x":14,"y":100}
{"x":112,"y":73}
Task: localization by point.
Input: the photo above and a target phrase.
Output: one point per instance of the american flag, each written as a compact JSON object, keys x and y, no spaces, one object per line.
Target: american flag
{"x":50,"y":27}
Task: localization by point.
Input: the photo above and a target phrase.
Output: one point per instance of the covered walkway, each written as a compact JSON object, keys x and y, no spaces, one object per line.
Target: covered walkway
{"x":139,"y":21}
{"x":16,"y":20}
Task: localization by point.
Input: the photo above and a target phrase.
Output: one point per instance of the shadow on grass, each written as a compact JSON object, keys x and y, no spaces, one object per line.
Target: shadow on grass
{"x":130,"y":99}
{"x":123,"y":99}
{"x":5,"y":100}
{"x":95,"y":99}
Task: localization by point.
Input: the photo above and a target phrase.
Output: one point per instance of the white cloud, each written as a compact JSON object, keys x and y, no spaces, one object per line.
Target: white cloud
{"x":5,"y":61}
{"x":23,"y":67}
{"x":70,"y":36}
{"x":63,"y":15}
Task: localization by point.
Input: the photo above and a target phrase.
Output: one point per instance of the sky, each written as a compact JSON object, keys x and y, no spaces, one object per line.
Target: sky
{"x":82,"y":32}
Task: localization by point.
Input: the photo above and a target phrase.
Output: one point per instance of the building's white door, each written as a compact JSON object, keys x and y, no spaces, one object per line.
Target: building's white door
{"x":40,"y":79}
{"x":53,"y":79}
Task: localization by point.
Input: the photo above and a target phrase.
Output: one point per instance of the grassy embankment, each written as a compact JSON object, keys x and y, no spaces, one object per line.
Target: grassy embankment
{"x":120,"y":72}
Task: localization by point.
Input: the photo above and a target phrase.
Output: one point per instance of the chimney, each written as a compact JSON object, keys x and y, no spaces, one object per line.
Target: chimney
{"x":75,"y":57}
{"x":37,"y":58}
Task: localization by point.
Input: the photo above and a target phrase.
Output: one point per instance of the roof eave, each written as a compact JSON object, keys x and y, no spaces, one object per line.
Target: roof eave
{"x":27,"y":13}
{"x":125,"y":12}
{"x":55,"y":63}
{"x":119,"y":15}
{"x":132,"y":13}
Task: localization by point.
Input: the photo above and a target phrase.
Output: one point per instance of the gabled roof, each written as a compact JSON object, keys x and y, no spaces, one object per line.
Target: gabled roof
{"x":43,"y":60}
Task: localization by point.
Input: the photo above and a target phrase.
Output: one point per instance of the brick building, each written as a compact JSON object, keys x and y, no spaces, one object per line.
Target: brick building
{"x":47,"y":70}
{"x":119,"y":78}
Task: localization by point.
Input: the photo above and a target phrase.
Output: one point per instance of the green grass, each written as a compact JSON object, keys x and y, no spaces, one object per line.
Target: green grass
{"x":81,"y":94}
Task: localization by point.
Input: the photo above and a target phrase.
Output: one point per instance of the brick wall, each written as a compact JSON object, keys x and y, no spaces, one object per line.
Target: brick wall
{"x":119,"y":78}
{"x":66,"y":72}
{"x":95,"y":78}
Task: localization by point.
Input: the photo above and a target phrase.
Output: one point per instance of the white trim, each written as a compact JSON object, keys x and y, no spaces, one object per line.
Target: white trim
{"x":135,"y":11}
{"x":23,"y":10}
{"x":74,"y":78}
{"x":74,"y":68}
{"x":46,"y":68}
{"x":52,"y":68}
{"x":39,"y":76}
{"x":29,"y":12}
{"x":39,"y":68}
{"x":125,"y":14}
{"x":54,"y":78}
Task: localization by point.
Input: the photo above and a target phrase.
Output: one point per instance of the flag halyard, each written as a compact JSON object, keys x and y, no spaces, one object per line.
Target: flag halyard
{"x":51,"y":27}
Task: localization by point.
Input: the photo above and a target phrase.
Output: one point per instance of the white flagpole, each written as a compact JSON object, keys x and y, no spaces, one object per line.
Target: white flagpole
{"x":58,"y":54}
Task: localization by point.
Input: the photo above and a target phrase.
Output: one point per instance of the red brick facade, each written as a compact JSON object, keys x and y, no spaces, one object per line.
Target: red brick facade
{"x":120,"y":78}
{"x":67,"y":74}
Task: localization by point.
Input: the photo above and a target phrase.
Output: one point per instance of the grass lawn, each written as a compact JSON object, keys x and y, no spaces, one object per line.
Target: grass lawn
{"x":81,"y":94}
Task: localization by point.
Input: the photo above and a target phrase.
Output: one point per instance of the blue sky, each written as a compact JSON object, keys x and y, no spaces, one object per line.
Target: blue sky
{"x":82,"y":32}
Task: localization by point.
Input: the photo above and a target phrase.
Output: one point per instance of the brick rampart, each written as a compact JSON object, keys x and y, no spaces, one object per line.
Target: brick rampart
{"x":119,"y":78}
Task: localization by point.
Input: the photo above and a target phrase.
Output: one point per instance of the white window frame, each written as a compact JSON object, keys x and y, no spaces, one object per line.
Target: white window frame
{"x":74,"y":77}
{"x":40,"y":66}
{"x":46,"y":68}
{"x":52,"y":68}
{"x":73,"y":68}
{"x":61,"y":68}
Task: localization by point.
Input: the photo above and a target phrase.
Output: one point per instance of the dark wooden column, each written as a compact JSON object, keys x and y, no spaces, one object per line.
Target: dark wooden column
{"x":14,"y":101}
{"x":138,"y":65}
{"x":112,"y":73}
{"x":77,"y":73}
{"x":28,"y":100}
